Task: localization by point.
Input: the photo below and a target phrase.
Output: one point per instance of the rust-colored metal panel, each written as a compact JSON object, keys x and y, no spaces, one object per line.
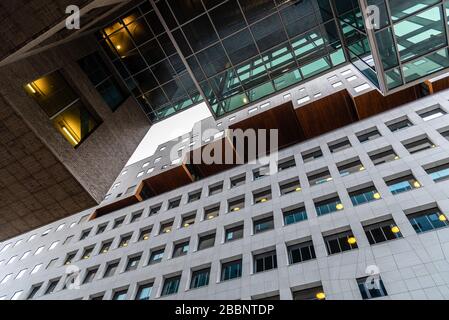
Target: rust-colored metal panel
{"x":326,"y":114}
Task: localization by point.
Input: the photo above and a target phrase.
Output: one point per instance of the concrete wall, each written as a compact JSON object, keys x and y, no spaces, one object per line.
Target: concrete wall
{"x":98,"y":160}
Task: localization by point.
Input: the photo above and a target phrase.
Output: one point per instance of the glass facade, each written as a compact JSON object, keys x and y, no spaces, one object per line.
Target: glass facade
{"x":173,"y":54}
{"x":238,"y":51}
{"x":410,"y":39}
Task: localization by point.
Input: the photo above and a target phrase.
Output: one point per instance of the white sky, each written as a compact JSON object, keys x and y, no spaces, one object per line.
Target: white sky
{"x":169,"y":129}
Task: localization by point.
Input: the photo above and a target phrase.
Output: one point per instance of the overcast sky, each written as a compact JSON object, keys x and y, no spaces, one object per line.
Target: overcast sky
{"x":169,"y":129}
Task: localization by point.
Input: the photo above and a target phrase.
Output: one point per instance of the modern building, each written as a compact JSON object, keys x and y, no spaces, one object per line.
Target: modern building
{"x":362,"y":162}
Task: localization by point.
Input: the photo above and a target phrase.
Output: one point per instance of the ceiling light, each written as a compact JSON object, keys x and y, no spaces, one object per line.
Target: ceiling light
{"x":118,"y":47}
{"x":186,"y":225}
{"x":67,"y":132}
{"x":442,"y":217}
{"x":395,"y":229}
{"x":245,"y":100}
{"x":416,"y":184}
{"x":376,"y":196}
{"x":361,"y":168}
{"x":320,"y":296}
{"x":339,"y":206}
{"x":298,"y":189}
{"x":211,"y":217}
{"x":263,"y":200}
{"x":236,"y":209}
{"x":352,"y":240}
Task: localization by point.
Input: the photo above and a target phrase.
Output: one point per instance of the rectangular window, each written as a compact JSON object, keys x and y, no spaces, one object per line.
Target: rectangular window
{"x":238,"y":181}
{"x":236,"y":204}
{"x":264,"y":224}
{"x":120,"y":294}
{"x":155,"y":209}
{"x":180,"y":249}
{"x":133,"y":263}
{"x":171,"y":285}
{"x":340,"y":242}
{"x":156,"y":256}
{"x":371,"y":287}
{"x":194,"y":196}
{"x":216,"y":189}
{"x":382,"y":231}
{"x":69,"y":258}
{"x":327,"y":206}
{"x":319,"y":177}
{"x":351,"y":166}
{"x":103,"y":80}
{"x":34,"y":290}
{"x":383,"y":156}
{"x":51,"y":286}
{"x":265,"y":261}
{"x":200,"y":278}
{"x":444,"y":133}
{"x":316,"y":293}
{"x":286,"y":164}
{"x":166,"y":227}
{"x":90,"y":275}
{"x":301,"y":252}
{"x":418,"y":145}
{"x":144,"y":291}
{"x":63,"y":106}
{"x":145,"y":234}
{"x":431,"y":113}
{"x":427,"y":220}
{"x":187,"y":221}
{"x":339,"y":145}
{"x":402,"y":184}
{"x":262,"y":196}
{"x":206,"y":241}
{"x":110,"y":269}
{"x":439,"y":173}
{"x":106,"y":246}
{"x":174,"y":203}
{"x":124,"y":241}
{"x":136,"y":216}
{"x":84,"y":234}
{"x":101,"y":228}
{"x":294,"y":215}
{"x":311,"y":155}
{"x":234,"y":233}
{"x":118,"y":222}
{"x":399,"y":124}
{"x":231,"y":270}
{"x":289,"y":187}
{"x":87,"y":253}
{"x":211,"y":213}
{"x":368,"y":135}
{"x":261,"y":172}
{"x":364,"y":195}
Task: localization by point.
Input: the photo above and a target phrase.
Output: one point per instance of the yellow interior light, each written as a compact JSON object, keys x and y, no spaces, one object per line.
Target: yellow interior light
{"x":396,"y":158}
{"x":245,"y":100}
{"x":416,"y":184}
{"x":352,"y":240}
{"x":211,"y":217}
{"x":186,"y":225}
{"x":376,"y":196}
{"x":67,"y":132}
{"x":442,"y":217}
{"x":105,"y":250}
{"x":118,"y":47}
{"x":30,"y":87}
{"x":298,"y":189}
{"x":167,"y":230}
{"x":339,"y":206}
{"x":236,"y":209}
{"x":361,"y":168}
{"x":433,"y":146}
{"x":125,"y":244}
{"x":263,"y":200}
{"x":320,"y":296}
{"x":395,"y":229}
{"x":329,"y":179}
{"x":145,"y":237}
